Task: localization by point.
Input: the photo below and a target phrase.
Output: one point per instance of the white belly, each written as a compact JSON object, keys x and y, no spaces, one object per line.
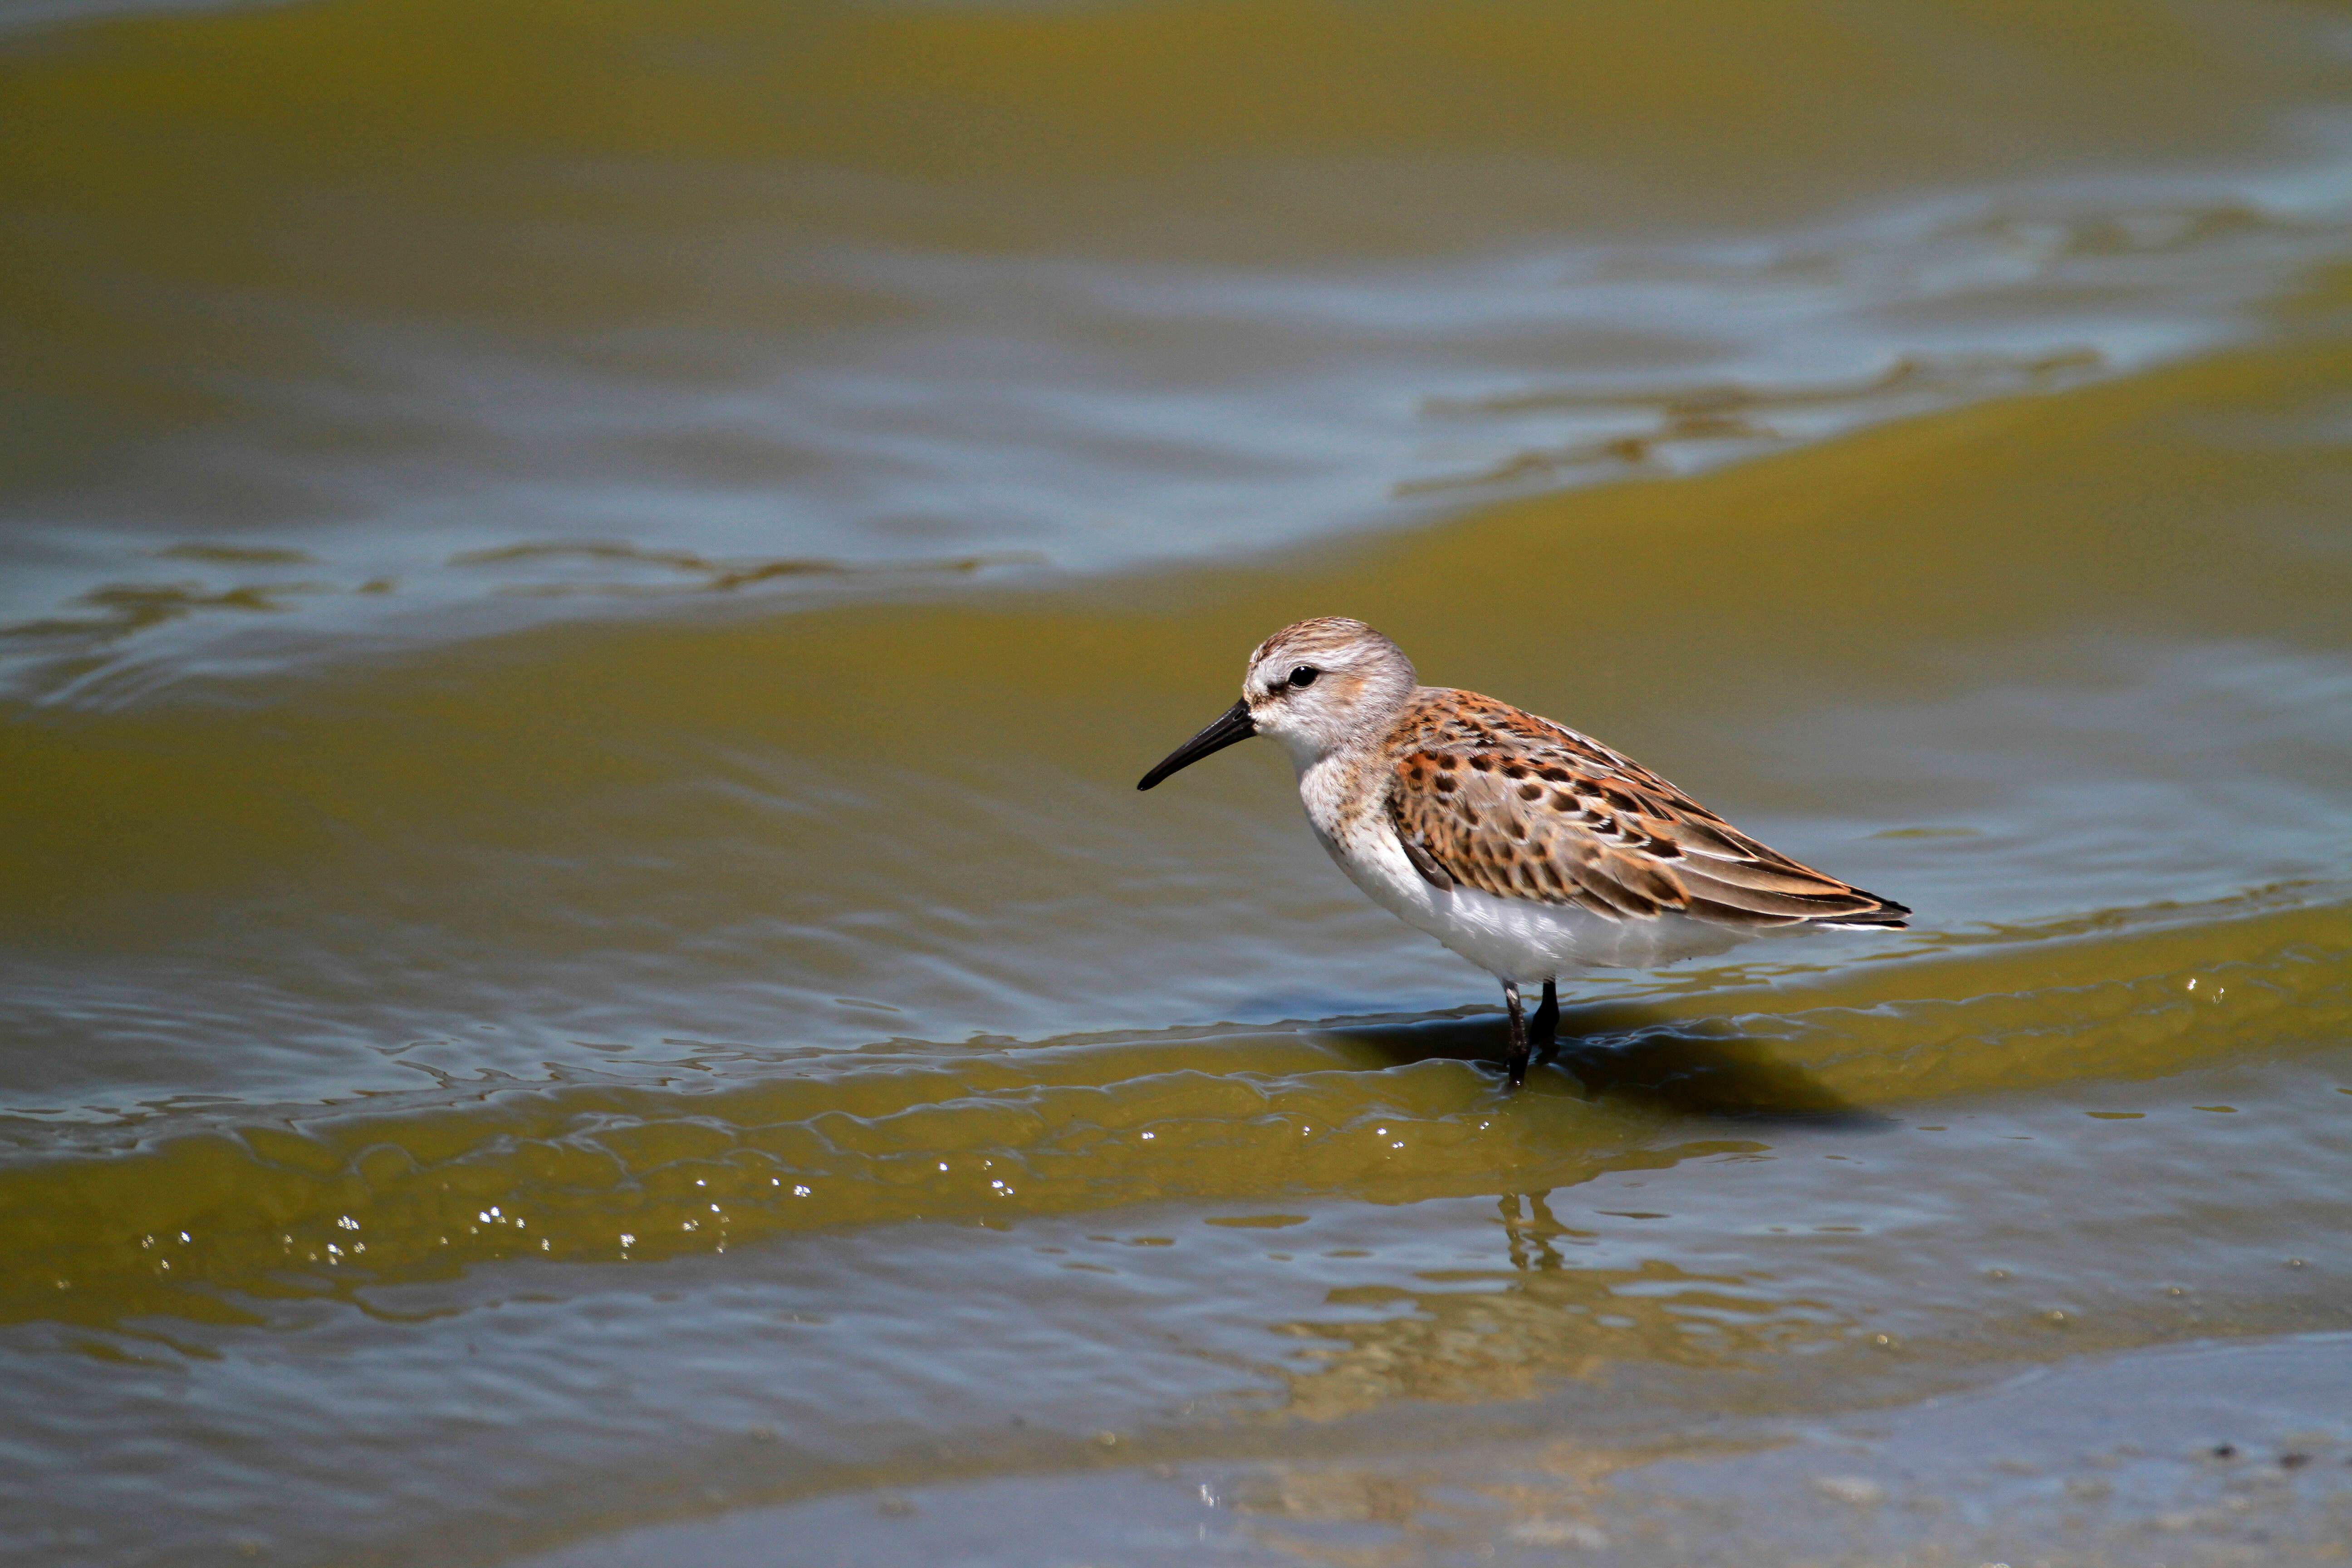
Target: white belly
{"x":1517,"y":940}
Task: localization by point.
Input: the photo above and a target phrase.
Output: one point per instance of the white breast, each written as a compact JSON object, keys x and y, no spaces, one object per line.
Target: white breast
{"x":1518,"y":940}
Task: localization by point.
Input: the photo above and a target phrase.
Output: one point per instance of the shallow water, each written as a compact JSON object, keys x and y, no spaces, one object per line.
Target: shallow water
{"x":582,"y":597}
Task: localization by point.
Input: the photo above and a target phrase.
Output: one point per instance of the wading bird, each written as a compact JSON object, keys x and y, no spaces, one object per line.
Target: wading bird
{"x":1527,"y":848}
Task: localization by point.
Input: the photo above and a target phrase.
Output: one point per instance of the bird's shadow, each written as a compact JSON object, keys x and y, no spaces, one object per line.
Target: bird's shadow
{"x":1627,"y":1052}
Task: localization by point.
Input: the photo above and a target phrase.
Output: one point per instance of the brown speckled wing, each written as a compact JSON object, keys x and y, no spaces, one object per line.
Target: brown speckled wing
{"x":1488,"y":796}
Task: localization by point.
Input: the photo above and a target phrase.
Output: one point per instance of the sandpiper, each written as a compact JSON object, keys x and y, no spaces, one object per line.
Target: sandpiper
{"x":1527,"y":848}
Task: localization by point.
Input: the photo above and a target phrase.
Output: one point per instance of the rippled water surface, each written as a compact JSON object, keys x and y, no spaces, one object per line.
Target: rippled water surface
{"x":583,"y":590}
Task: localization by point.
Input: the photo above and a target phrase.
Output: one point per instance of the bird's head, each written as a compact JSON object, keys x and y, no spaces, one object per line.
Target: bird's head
{"x":1314,"y":687}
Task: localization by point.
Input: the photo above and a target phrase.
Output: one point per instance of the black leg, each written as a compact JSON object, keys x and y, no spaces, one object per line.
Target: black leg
{"x":1543,"y":1029}
{"x":1518,"y":1065}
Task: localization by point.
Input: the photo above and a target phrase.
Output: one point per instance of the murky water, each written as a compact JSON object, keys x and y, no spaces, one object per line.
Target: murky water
{"x":582,"y":592}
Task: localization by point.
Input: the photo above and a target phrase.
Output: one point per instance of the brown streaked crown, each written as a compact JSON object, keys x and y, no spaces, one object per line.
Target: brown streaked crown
{"x":1324,"y":636}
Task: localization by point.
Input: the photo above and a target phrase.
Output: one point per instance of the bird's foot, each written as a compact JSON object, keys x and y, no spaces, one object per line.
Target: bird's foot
{"x":1516,"y":1068}
{"x":1543,"y":1029}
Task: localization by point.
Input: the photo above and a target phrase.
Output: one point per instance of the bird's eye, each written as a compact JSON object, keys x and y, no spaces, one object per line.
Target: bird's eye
{"x":1304,"y":675}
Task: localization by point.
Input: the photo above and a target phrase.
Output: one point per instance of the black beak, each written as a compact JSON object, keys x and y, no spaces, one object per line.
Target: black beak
{"x":1233,"y":724}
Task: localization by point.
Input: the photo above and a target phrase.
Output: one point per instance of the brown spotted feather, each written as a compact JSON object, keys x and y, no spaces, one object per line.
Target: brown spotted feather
{"x":1485,"y":795}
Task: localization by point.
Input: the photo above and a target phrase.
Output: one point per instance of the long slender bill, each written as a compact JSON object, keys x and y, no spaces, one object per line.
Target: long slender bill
{"x":1233,"y":724}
